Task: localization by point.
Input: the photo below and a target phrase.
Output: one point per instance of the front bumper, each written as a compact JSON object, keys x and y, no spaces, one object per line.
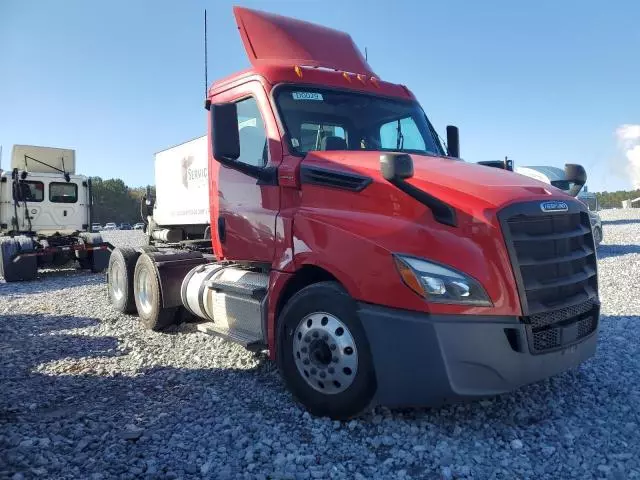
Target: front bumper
{"x":428,"y":360}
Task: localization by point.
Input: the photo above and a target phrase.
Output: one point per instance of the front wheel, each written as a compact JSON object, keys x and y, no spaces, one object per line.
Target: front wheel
{"x":323,"y":352}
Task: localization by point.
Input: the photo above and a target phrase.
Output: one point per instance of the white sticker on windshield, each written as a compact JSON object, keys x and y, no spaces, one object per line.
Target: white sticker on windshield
{"x":307,"y":96}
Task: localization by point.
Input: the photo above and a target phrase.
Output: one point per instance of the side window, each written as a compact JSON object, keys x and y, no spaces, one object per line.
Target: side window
{"x":63,"y":192}
{"x":253,"y":138}
{"x":402,"y":134}
{"x":314,"y":136}
{"x":29,"y":191}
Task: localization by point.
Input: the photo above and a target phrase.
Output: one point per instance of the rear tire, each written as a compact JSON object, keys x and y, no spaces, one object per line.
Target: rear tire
{"x":122,"y":264}
{"x":95,"y":260}
{"x":26,"y":268}
{"x":45,"y":260}
{"x":323,"y":353}
{"x":148,"y":296}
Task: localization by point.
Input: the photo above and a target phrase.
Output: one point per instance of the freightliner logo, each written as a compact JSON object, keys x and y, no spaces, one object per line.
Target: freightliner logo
{"x":554,"y":206}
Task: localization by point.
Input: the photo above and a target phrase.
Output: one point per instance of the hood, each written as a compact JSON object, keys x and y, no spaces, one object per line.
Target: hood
{"x":270,"y":38}
{"x":465,"y":186}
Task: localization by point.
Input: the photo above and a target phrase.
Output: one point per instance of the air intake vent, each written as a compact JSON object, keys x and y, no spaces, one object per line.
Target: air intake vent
{"x":333,"y":178}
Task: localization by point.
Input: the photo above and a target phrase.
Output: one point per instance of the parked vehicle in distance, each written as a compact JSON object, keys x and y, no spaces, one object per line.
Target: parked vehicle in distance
{"x":138,"y":226}
{"x":570,"y":180}
{"x":125,"y":226}
{"x":110,"y":226}
{"x":96,"y":227}
{"x":596,"y":225}
{"x":46,"y":214}
{"x":321,"y":219}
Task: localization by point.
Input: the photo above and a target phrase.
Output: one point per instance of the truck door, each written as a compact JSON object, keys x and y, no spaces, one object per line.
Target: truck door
{"x":246,"y":214}
{"x":26,"y":202}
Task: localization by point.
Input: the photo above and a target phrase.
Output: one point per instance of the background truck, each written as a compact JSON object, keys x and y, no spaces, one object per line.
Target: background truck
{"x":571,"y":179}
{"x":373,"y":265}
{"x":45,"y":214}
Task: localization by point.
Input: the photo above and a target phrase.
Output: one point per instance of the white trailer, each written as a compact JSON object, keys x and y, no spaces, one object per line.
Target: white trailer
{"x":46,"y":214}
{"x":180,"y":211}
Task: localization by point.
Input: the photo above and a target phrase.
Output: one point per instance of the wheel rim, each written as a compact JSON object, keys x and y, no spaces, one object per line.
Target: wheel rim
{"x":325,"y":353}
{"x":117,"y":281}
{"x":144,"y":291}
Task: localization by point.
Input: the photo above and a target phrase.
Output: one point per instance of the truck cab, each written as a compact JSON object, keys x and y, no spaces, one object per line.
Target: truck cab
{"x":45,"y":214}
{"x":372,"y":263}
{"x":571,"y":179}
{"x":42,"y":193}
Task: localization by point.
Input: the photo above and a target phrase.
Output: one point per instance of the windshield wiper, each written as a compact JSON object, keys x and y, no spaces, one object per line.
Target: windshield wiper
{"x":400,"y":142}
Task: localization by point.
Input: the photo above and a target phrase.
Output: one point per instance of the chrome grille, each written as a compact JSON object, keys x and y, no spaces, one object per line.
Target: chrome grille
{"x":553,"y":256}
{"x":554,"y":263}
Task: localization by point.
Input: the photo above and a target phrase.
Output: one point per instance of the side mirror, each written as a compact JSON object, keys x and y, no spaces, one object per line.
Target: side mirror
{"x":576,"y":175}
{"x":224,"y":132}
{"x":396,"y":166}
{"x":453,"y":141}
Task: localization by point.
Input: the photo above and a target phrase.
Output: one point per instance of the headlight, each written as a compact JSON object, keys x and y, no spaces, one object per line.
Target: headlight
{"x":440,"y":284}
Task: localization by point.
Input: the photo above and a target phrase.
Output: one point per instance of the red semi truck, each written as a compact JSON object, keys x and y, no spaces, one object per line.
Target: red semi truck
{"x":375,"y":266}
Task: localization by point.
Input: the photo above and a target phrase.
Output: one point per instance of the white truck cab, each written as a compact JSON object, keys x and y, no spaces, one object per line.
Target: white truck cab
{"x":45,"y":214}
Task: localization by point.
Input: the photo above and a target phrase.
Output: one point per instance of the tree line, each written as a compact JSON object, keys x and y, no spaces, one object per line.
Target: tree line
{"x":114,"y":201}
{"x":614,"y":199}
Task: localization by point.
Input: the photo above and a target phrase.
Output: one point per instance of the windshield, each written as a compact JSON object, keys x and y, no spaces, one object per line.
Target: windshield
{"x":320,"y":119}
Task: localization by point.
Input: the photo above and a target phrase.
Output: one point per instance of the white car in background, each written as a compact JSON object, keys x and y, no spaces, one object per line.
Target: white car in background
{"x":110,"y":226}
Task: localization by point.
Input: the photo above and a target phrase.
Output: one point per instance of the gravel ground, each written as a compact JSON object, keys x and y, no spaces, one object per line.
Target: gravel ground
{"x":87,"y":393}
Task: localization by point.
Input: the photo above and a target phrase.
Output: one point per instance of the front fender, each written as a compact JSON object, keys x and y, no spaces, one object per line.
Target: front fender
{"x":365,"y":269}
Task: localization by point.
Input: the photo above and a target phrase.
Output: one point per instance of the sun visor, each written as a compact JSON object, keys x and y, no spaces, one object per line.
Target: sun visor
{"x":270,"y":38}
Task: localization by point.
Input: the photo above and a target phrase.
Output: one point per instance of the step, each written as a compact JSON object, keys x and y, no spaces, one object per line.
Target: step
{"x":247,"y":340}
{"x":248,"y":290}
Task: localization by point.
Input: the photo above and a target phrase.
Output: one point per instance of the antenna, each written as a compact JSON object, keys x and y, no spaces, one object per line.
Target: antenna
{"x":0,"y":157}
{"x":206,"y":76}
{"x":366,"y":56}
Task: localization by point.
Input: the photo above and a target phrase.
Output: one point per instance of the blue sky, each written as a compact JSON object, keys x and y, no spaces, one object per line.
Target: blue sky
{"x":543,"y":82}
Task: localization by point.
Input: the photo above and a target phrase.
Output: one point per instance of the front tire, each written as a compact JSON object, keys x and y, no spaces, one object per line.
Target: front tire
{"x":148,"y":296}
{"x":323,"y":352}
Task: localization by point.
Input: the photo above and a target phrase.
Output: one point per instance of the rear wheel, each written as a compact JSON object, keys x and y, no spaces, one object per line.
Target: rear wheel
{"x":323,"y":352}
{"x":148,"y":296}
{"x":122,"y":264}
{"x":47,"y":259}
{"x":94,"y":260}
{"x":26,"y":268}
